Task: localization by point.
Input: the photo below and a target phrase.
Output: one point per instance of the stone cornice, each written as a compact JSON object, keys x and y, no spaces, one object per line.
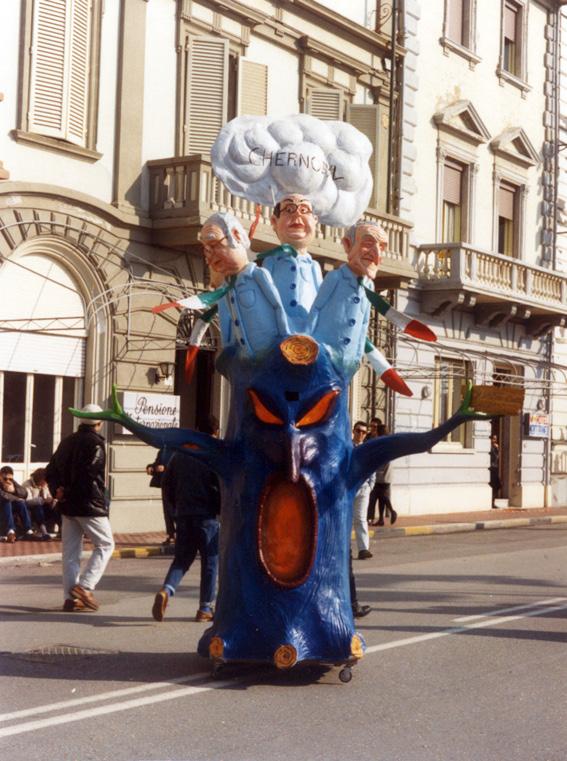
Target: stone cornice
{"x":336,"y":20}
{"x":11,"y":190}
{"x":313,"y":46}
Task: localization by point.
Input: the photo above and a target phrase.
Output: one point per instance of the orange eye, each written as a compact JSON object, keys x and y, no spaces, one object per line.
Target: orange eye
{"x":320,"y":410}
{"x":261,"y":411}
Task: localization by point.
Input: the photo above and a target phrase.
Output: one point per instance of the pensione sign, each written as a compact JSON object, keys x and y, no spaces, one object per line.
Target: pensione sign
{"x":153,"y":410}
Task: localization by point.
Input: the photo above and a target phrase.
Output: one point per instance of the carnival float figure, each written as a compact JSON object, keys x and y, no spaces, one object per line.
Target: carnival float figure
{"x":287,"y":467}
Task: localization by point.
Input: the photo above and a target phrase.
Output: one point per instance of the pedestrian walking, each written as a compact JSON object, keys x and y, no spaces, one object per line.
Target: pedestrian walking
{"x":373,"y":498}
{"x":193,"y":489}
{"x":156,"y":470}
{"x":360,"y":504}
{"x":382,"y":488}
{"x":76,"y":477}
{"x":495,"y":482}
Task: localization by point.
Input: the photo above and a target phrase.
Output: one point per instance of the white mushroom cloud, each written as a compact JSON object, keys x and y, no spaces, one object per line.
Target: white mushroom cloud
{"x":264,"y":157}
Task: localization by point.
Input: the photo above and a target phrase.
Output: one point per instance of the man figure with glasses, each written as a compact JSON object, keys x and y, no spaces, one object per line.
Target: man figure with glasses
{"x":296,"y":275}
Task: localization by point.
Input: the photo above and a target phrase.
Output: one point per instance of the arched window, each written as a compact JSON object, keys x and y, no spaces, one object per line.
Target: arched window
{"x":42,"y":358}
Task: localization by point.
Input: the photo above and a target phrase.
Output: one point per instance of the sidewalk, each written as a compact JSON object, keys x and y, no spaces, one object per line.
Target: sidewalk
{"x":149,"y":544}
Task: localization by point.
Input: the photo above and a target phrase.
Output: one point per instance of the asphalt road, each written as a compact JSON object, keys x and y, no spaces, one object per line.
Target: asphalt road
{"x":466,"y":661}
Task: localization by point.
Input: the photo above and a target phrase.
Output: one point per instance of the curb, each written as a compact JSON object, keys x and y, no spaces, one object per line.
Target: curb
{"x":54,"y":557}
{"x":389,"y":533}
{"x":456,"y":528}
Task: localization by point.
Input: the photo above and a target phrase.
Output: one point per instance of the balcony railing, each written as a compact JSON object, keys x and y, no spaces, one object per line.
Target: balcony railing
{"x":492,"y":277}
{"x":184,"y":192}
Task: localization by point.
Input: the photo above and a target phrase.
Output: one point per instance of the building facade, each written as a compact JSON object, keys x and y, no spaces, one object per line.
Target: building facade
{"x":479,"y":177}
{"x":109,"y":111}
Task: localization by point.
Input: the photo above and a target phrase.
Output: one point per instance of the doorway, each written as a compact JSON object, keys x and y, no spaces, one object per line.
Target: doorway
{"x":508,"y":429}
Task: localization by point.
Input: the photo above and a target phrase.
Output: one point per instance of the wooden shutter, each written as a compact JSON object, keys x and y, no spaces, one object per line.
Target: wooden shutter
{"x":452,"y":183}
{"x":455,"y":20}
{"x":510,"y":18}
{"x":48,"y":74}
{"x":325,"y":103}
{"x":60,"y":69}
{"x":372,"y":121}
{"x":78,"y":78}
{"x":206,"y":92}
{"x":253,"y":88}
{"x":506,"y":196}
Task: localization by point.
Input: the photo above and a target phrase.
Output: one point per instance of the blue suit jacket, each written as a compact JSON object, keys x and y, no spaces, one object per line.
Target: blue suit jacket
{"x":340,"y":313}
{"x":251,"y":314}
{"x":297,"y":278}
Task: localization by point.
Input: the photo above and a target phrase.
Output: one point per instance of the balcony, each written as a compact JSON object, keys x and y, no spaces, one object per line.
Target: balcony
{"x":184,"y":192}
{"x":495,"y":287}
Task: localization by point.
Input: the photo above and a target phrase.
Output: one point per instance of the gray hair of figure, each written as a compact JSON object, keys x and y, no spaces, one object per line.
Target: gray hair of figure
{"x":227,"y":223}
{"x":351,"y":232}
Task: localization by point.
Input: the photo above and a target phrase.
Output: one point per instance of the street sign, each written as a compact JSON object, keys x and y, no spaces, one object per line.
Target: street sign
{"x":152,"y":410}
{"x":537,"y":425}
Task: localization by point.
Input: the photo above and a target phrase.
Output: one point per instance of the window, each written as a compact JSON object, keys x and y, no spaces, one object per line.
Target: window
{"x":455,"y":22}
{"x":510,"y":39}
{"x":60,"y":101}
{"x":325,"y":103}
{"x":507,"y":220}
{"x":219,"y":85}
{"x":206,"y":92}
{"x":459,"y":29}
{"x":34,"y":416}
{"x":451,"y":376}
{"x":512,"y":66}
{"x":372,"y":121}
{"x":452,"y":219}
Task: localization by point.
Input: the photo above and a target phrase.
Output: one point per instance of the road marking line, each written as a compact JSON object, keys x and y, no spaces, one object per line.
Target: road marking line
{"x":101,"y":696}
{"x":90,"y":713}
{"x":527,"y":606}
{"x":461,"y":629}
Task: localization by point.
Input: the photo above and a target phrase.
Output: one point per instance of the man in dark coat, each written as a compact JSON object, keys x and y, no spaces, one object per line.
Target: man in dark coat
{"x":194,"y":492}
{"x":75,"y":476}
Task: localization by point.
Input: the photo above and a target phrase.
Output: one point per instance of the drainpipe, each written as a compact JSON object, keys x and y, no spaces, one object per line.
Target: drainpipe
{"x":389,"y":204}
{"x":551,"y":339}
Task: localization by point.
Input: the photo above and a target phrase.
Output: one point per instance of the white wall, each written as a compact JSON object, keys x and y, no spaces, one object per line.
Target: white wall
{"x":443,"y":80}
{"x":362,"y":12}
{"x":283,"y":75}
{"x":29,"y":163}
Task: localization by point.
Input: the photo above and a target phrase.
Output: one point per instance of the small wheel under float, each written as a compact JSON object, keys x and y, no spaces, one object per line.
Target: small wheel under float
{"x":345,"y":674}
{"x":217,"y":668}
{"x":285,"y":658}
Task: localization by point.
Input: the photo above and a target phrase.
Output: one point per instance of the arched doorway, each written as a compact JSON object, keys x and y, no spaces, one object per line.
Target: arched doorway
{"x":197,"y":398}
{"x":43,"y":337}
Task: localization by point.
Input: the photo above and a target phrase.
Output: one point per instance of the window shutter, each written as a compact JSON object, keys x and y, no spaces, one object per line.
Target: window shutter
{"x":60,"y":69}
{"x":455,"y":21}
{"x":207,"y":92}
{"x":452,"y":183}
{"x":48,"y":71}
{"x":510,"y":16}
{"x":79,"y":71}
{"x":506,"y":195}
{"x":253,"y":86}
{"x":325,"y":103}
{"x":372,"y":121}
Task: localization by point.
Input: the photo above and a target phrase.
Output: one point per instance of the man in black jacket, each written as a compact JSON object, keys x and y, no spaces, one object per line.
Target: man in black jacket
{"x":75,"y":476}
{"x":194,"y":491}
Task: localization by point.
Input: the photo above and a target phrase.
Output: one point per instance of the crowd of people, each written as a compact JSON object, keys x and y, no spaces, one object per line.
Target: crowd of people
{"x":27,"y":510}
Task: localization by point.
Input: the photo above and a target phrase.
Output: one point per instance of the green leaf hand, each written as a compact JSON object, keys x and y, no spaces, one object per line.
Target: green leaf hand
{"x":115,"y":415}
